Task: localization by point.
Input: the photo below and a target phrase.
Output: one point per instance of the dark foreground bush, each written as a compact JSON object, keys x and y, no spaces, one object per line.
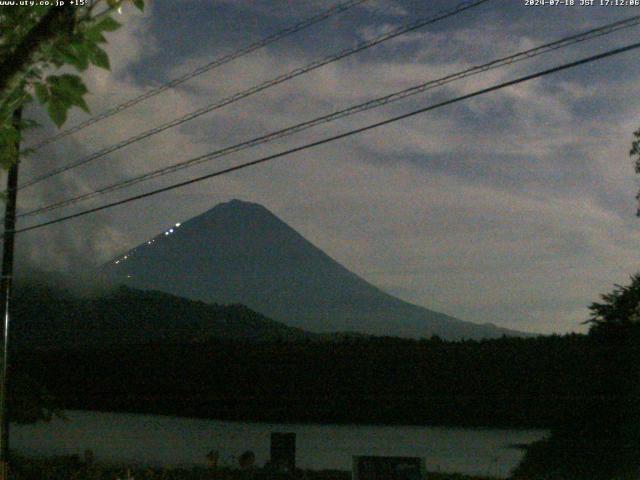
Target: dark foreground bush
{"x":602,"y":445}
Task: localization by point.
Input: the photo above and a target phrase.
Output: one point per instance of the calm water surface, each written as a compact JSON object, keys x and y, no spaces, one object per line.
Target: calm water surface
{"x":159,"y":440}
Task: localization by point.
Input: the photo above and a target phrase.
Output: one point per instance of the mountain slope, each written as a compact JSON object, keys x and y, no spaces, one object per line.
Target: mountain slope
{"x":51,"y":316}
{"x":239,"y":252}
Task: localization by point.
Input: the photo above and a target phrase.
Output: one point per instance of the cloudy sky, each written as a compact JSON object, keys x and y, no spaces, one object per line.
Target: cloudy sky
{"x":516,"y":207}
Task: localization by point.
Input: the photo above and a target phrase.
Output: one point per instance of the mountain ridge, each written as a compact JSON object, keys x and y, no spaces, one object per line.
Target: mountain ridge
{"x":47,"y":315}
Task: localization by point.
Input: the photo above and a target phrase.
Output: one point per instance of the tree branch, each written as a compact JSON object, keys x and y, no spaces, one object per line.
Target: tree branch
{"x":12,"y":68}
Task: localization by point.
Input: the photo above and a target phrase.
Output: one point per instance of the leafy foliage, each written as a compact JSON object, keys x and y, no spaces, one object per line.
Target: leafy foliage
{"x":635,"y":152}
{"x":600,"y":440}
{"x":35,"y":42}
{"x":619,"y":313}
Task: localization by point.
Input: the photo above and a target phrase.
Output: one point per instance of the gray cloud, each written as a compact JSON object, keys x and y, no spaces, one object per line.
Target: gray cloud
{"x":516,"y":207}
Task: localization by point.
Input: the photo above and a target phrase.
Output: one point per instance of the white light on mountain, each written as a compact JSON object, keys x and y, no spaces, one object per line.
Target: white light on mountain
{"x":117,"y":261}
{"x":171,"y":230}
{"x":166,"y":233}
{"x":125,"y":257}
{"x":177,"y":224}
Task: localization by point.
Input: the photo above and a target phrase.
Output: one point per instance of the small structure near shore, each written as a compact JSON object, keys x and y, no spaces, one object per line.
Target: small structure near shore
{"x":283,"y":451}
{"x":388,"y":468}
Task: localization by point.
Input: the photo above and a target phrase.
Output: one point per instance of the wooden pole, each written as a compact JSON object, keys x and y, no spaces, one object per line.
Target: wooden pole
{"x":6,"y":284}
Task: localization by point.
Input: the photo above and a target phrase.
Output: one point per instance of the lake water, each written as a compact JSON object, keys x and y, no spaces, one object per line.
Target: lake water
{"x":159,"y":440}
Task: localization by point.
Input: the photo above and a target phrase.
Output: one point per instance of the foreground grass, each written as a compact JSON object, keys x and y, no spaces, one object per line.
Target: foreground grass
{"x":71,"y":468}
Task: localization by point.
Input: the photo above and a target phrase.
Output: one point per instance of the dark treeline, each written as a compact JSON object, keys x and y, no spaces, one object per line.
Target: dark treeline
{"x":524,"y":382}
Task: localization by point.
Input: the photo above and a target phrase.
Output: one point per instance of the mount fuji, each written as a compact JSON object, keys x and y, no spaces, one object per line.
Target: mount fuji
{"x":241,"y":253}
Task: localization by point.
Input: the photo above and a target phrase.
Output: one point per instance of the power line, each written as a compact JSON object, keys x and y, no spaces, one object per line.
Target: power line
{"x":378,"y":102}
{"x":333,"y":138}
{"x":262,"y":86}
{"x":218,"y":62}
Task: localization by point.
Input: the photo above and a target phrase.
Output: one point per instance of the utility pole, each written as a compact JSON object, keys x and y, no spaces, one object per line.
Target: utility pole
{"x":6,"y":283}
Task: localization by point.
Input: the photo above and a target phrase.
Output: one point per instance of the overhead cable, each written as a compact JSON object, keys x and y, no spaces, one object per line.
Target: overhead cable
{"x":371,"y":104}
{"x":218,"y":62}
{"x":260,"y":87}
{"x":333,"y":138}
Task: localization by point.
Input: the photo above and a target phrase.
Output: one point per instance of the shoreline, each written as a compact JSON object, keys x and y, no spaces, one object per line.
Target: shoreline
{"x":71,"y":466}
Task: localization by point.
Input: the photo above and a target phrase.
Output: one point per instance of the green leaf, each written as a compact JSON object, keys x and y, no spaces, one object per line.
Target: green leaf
{"x":57,"y":111}
{"x":42,"y":92}
{"x":94,"y":36}
{"x":74,"y":85}
{"x":79,"y":53}
{"x":107,"y":24}
{"x":100,"y":58}
{"x":27,"y":124}
{"x":139,"y":4}
{"x":67,"y":84}
{"x":80,"y":102}
{"x":73,"y":53}
{"x":9,"y":137}
{"x":12,"y":101}
{"x":65,"y":91}
{"x":34,"y":73}
{"x":40,"y":9}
